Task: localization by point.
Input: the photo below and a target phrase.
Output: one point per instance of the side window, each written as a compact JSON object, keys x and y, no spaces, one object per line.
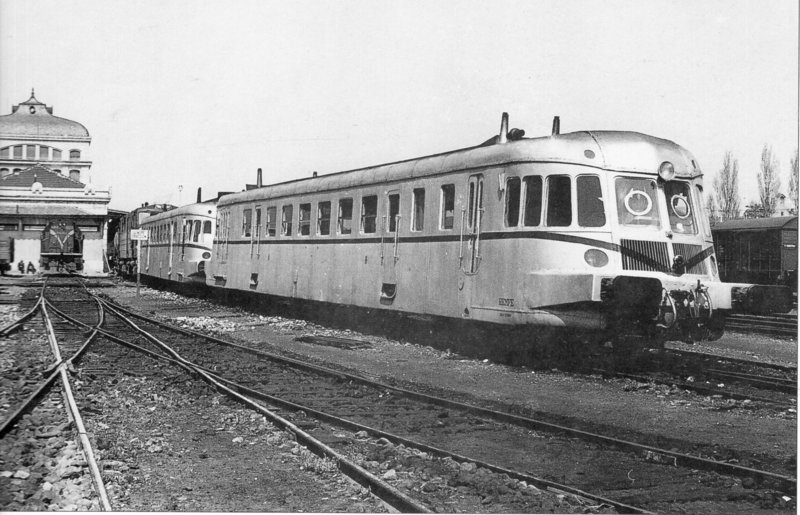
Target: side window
{"x":591,"y":207}
{"x":286,"y":221}
{"x":369,"y":212}
{"x":394,"y":211}
{"x":559,"y":201}
{"x":533,"y":201}
{"x":324,"y":218}
{"x":448,"y":202}
{"x":304,"y":220}
{"x":272,"y":221}
{"x":56,"y":154}
{"x":75,"y":155}
{"x":513,"y":191}
{"x":247,"y":221}
{"x":197,"y":227}
{"x":207,"y":223}
{"x":345,"y":220}
{"x":418,"y":210}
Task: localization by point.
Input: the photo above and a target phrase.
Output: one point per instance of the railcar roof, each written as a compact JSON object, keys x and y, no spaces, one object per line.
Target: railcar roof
{"x":608,"y":150}
{"x":202,"y":209}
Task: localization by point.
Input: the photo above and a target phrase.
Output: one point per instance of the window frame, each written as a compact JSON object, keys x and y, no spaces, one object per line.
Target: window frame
{"x":340,"y":218}
{"x":443,"y":206}
{"x":365,"y":216}
{"x":323,"y":219}
{"x":417,"y":214}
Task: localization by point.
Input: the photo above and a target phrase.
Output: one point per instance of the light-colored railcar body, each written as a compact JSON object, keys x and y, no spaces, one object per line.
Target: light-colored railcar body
{"x":179,"y":244}
{"x":591,"y":231}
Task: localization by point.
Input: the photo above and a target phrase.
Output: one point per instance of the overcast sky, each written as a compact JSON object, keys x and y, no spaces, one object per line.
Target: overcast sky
{"x":202,"y":93}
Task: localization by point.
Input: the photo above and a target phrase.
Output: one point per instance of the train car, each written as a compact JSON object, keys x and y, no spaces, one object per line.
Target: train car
{"x":124,"y":248}
{"x":62,"y":247}
{"x":601,"y":233}
{"x":761,"y":250}
{"x":179,"y":244}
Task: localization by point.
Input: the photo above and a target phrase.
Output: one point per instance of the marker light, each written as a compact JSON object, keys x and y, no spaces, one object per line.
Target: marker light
{"x":206,"y":255}
{"x":595,"y":258}
{"x":666,"y":171}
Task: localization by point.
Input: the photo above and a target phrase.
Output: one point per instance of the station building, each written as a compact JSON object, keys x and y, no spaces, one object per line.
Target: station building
{"x":51,"y":215}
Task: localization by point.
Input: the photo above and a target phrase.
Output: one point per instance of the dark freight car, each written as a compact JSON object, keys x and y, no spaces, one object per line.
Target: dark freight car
{"x":757,"y":250}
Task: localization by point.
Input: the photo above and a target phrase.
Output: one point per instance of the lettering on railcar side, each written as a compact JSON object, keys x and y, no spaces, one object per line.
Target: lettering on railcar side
{"x":506,"y":302}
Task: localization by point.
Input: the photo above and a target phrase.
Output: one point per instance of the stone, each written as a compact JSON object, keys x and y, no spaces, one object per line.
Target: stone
{"x":389,"y":475}
{"x":22,"y":474}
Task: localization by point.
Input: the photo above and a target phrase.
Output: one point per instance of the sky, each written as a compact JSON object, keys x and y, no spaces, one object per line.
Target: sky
{"x":181,"y":94}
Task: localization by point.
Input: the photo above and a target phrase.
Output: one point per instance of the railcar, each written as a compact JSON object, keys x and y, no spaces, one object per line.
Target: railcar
{"x":597,"y":232}
{"x":124,"y":251}
{"x":62,"y":246}
{"x":179,"y":244}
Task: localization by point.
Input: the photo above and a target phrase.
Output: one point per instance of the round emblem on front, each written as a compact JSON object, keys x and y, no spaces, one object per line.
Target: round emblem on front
{"x":680,"y":206}
{"x":32,"y":110}
{"x":638,"y":203}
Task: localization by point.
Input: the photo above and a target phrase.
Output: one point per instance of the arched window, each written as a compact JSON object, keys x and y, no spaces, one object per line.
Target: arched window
{"x":74,"y":155}
{"x":5,"y":152}
{"x":30,"y":151}
{"x":56,"y":154}
{"x":4,"y":172}
{"x":75,"y":175}
{"x":44,"y":153}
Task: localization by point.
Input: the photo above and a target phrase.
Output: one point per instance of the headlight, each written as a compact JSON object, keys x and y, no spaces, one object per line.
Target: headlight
{"x":666,"y":171}
{"x":206,"y":255}
{"x":595,"y":258}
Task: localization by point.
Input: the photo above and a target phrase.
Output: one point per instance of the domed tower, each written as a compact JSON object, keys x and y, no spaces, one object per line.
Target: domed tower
{"x":31,"y":135}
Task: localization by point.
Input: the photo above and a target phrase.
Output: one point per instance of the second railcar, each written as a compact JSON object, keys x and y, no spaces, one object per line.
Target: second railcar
{"x":600,"y":232}
{"x":179,"y":244}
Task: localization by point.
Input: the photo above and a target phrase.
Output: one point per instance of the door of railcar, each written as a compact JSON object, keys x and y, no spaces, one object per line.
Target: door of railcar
{"x":470,"y":242}
{"x":474,"y":217}
{"x":390,"y":242}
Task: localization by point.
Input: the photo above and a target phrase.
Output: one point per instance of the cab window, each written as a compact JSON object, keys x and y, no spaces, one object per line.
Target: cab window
{"x":679,"y":206}
{"x":559,"y":201}
{"x":591,"y":208}
{"x":637,"y":204}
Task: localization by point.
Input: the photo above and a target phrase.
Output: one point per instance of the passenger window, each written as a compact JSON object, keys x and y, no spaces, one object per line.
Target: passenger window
{"x":197,"y":227}
{"x":513,"y":191}
{"x":394,"y":211}
{"x":207,"y":223}
{"x":591,"y":207}
{"x":679,"y":203}
{"x":304,"y":228}
{"x":272,"y":221}
{"x":559,"y":201}
{"x":533,"y":201}
{"x":247,"y":220}
{"x":324,"y":218}
{"x":636,"y":202}
{"x":418,"y":210}
{"x":286,"y":222}
{"x":448,"y":201}
{"x":345,"y":221}
{"x":369,"y":212}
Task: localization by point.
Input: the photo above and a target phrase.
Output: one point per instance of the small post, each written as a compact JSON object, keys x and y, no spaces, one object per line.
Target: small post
{"x":138,"y":264}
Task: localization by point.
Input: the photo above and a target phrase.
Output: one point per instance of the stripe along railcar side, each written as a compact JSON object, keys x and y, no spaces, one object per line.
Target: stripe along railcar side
{"x":180,"y":243}
{"x":599,"y":232}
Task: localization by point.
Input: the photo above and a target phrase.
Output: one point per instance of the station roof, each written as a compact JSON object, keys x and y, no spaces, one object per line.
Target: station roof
{"x":757,"y":224}
{"x":33,"y":119}
{"x":47,"y":177}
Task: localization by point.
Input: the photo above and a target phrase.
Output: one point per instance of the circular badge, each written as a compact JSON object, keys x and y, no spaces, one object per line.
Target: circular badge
{"x":638,"y":202}
{"x":680,"y":206}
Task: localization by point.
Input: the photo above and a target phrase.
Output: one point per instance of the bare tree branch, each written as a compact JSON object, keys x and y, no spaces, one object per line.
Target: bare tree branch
{"x":769,"y":182}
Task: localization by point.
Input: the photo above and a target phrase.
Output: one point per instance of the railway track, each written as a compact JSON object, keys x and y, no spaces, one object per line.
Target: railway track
{"x":709,"y":375}
{"x":775,"y":325}
{"x":23,"y":427}
{"x":376,"y":407}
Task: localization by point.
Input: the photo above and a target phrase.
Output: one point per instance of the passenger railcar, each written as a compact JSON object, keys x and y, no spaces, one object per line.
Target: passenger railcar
{"x":125,"y":248}
{"x":179,"y":244}
{"x":599,"y":232}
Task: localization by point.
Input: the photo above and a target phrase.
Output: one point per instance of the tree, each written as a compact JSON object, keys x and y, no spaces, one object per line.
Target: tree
{"x":768,"y":181}
{"x":793,"y":178}
{"x":726,"y":188}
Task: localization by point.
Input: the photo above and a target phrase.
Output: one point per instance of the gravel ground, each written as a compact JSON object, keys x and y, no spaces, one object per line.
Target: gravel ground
{"x":643,"y":410}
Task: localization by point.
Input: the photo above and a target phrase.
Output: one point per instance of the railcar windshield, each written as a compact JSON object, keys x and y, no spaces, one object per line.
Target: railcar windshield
{"x":679,"y":206}
{"x":637,"y":202}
